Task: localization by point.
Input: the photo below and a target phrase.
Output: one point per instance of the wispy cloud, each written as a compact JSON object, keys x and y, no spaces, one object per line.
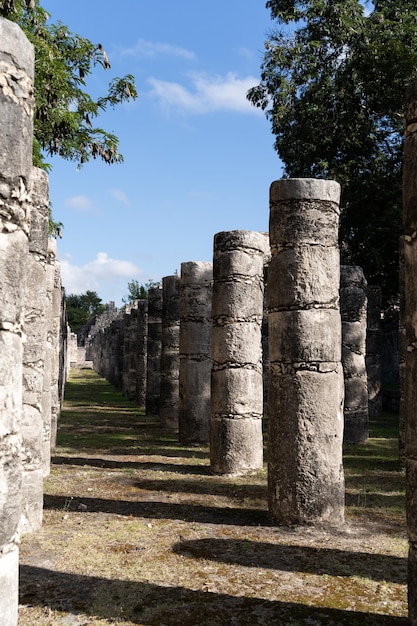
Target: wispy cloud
{"x":246,"y":53}
{"x":121,"y":196}
{"x":108,"y":277}
{"x":150,"y":49}
{"x":207,"y":93}
{"x":79,"y":203}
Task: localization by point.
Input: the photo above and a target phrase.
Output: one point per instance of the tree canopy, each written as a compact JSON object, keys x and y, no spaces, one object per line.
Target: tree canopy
{"x":82,"y":308}
{"x":137,"y":291}
{"x":333,"y":80}
{"x":64,"y":116}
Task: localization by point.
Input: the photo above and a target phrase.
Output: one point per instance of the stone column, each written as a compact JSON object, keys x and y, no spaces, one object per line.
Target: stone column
{"x":236,"y":442}
{"x":115,"y":362}
{"x":373,"y":350}
{"x":63,"y":350}
{"x":402,"y":352}
{"x":353,"y":309}
{"x":73,"y":350}
{"x":153,"y":367}
{"x":410,"y":323}
{"x":130,"y":351}
{"x":195,"y":352}
{"x":170,"y":357}
{"x":49,"y":360}
{"x":142,"y":341}
{"x":305,"y":403}
{"x":34,"y":356}
{"x":16,"y":132}
{"x":265,"y":340}
{"x":56,"y":349}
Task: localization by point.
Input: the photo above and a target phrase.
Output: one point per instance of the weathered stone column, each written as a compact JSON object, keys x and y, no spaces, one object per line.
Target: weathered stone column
{"x":170,"y":356}
{"x":373,"y":350}
{"x":265,"y":339}
{"x":129,"y":352}
{"x":49,"y":360}
{"x":410,"y":322}
{"x":56,"y":349}
{"x":402,"y":353}
{"x":73,"y":350}
{"x":195,"y":352}
{"x":16,"y":132}
{"x":305,"y":403}
{"x":236,"y":442}
{"x":141,"y":358}
{"x":153,"y":366}
{"x":34,"y":355}
{"x":353,"y":309}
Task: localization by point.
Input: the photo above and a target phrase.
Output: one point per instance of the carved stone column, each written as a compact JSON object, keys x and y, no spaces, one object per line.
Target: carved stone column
{"x":236,"y":445}
{"x":16,"y":132}
{"x":410,"y":324}
{"x":170,"y":356}
{"x":305,"y":402}
{"x":195,"y":352}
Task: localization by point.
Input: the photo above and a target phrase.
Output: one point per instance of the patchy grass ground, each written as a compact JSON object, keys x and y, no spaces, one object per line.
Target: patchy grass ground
{"x":137,"y":531}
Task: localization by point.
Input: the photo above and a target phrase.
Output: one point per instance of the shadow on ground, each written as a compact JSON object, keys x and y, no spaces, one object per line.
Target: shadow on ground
{"x":152,"y":604}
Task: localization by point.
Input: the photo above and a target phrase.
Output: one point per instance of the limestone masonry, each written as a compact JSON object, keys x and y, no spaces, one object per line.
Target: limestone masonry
{"x":271,"y":334}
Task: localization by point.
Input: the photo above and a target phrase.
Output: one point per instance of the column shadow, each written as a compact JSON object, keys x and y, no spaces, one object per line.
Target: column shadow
{"x":319,"y":561}
{"x":148,"y":604}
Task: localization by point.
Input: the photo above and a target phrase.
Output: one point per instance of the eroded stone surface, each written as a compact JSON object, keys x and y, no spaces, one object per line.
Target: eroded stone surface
{"x":195,"y":352}
{"x":305,"y":394}
{"x":237,"y":373}
{"x":170,"y":358}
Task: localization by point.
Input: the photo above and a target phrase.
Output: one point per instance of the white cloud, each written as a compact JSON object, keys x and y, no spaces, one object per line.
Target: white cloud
{"x":108,"y":277}
{"x":144,"y":48}
{"x":79,"y":203}
{"x":120,"y":195}
{"x":207,"y":94}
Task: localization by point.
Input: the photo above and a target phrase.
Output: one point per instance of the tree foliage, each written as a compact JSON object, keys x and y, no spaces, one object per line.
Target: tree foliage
{"x":333,"y":80}
{"x":137,"y":291}
{"x":65,"y":113}
{"x":81,"y":308}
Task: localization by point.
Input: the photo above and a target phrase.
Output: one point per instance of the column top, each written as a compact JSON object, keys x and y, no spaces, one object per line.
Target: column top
{"x":15,"y":44}
{"x":305,"y":189}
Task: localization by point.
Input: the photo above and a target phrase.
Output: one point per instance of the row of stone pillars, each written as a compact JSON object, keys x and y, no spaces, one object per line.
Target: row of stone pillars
{"x":33,"y":330}
{"x":211,"y":376}
{"x":306,"y":359}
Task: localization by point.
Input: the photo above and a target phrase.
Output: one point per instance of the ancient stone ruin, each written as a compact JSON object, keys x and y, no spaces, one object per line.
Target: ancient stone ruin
{"x":353,"y":309}
{"x":170,"y":357}
{"x":409,"y":319}
{"x":195,"y":352}
{"x":237,"y":374}
{"x":270,"y":334}
{"x":305,"y":406}
{"x":32,"y":328}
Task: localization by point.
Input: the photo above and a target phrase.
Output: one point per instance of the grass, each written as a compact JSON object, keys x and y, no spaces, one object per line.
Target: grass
{"x":137,"y":531}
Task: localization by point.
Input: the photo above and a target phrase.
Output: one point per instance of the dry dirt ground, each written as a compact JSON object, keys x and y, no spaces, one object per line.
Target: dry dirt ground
{"x":137,"y":531}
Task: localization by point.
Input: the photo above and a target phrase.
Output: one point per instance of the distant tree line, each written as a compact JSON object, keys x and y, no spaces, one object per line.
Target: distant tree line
{"x":82,"y":308}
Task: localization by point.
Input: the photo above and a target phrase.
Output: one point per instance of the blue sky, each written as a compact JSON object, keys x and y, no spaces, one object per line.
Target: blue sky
{"x":198,"y":158}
